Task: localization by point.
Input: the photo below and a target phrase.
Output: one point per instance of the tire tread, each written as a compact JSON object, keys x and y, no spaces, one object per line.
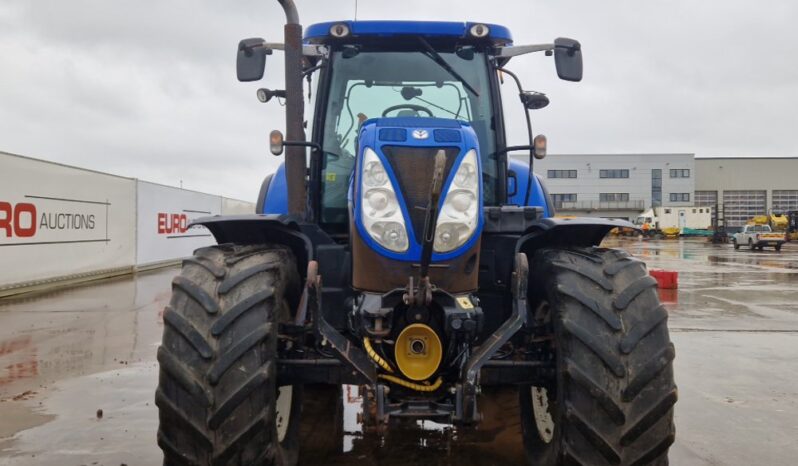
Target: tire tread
{"x":615,"y":355}
{"x":217,"y":377}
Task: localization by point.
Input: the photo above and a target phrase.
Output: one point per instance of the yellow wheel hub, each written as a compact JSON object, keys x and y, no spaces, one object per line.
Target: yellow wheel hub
{"x":418,"y":352}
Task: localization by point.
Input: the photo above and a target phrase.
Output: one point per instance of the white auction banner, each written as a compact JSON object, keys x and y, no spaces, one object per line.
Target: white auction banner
{"x":164,"y":213}
{"x":58,"y":221}
{"x":236,"y":207}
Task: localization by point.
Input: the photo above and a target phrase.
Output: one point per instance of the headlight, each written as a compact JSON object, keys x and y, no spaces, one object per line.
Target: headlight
{"x":379,"y":208}
{"x":458,"y":217}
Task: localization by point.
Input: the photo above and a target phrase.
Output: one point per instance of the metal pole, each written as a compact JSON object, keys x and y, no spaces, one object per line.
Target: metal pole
{"x":295,"y":165}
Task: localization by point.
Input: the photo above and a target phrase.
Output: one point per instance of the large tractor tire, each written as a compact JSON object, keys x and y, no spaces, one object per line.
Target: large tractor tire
{"x":217,"y":397}
{"x":610,"y":401}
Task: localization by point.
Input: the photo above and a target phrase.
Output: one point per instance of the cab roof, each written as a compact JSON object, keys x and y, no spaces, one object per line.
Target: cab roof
{"x":320,"y":32}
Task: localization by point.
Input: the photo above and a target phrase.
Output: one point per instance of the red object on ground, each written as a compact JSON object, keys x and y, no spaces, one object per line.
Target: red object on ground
{"x":666,"y":279}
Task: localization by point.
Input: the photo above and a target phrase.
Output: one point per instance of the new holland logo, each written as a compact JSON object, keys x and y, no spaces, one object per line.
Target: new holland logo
{"x":420,"y":134}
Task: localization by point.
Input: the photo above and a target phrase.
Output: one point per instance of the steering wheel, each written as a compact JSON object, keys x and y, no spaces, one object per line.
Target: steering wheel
{"x":414,"y":107}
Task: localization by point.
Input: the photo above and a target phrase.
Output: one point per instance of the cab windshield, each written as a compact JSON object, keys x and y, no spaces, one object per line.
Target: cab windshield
{"x":373,"y":84}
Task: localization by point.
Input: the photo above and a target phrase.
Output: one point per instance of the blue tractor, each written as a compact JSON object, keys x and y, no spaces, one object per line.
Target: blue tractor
{"x":398,"y":248}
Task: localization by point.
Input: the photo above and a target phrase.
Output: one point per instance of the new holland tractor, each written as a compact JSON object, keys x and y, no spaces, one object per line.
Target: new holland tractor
{"x":399,"y":249}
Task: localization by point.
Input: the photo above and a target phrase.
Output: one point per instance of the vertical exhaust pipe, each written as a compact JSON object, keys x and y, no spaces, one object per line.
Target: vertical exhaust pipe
{"x":295,"y":165}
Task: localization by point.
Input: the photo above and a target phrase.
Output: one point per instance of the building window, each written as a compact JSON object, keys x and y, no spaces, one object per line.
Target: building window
{"x":706,"y":198}
{"x":614,"y":197}
{"x":680,"y":173}
{"x":656,"y":187}
{"x":615,"y":173}
{"x":667,"y":211}
{"x":560,"y":198}
{"x":561,"y":174}
{"x":680,"y":197}
{"x":784,"y":200}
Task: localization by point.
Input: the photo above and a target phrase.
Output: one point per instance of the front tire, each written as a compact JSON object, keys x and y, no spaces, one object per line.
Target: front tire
{"x":217,"y":396}
{"x":611,"y":399}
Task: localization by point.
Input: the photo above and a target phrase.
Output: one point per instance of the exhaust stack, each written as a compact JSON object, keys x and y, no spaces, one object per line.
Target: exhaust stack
{"x":295,"y":166}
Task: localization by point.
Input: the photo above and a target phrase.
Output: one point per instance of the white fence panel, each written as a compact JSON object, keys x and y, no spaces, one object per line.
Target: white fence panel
{"x":164,"y":213}
{"x":58,"y":221}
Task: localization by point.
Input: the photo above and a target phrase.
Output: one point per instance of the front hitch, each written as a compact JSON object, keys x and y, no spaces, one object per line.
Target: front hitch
{"x":343,"y":347}
{"x":466,"y":411}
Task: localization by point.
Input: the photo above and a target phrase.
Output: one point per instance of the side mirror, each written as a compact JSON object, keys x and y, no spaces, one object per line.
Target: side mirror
{"x":251,"y":59}
{"x":568,"y":59}
{"x":276,"y":142}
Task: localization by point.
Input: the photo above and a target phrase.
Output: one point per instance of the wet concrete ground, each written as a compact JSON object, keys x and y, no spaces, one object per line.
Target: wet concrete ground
{"x":67,"y":354}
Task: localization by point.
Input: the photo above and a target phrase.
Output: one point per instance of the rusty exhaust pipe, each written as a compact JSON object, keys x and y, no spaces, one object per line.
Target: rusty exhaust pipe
{"x":295,"y":165}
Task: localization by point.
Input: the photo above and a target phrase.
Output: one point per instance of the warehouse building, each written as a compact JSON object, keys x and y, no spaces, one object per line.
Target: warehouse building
{"x":623,"y":185}
{"x":747,"y":186}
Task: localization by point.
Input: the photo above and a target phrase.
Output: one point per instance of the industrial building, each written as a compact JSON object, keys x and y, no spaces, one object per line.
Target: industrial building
{"x":623,"y":185}
{"x":747,"y":186}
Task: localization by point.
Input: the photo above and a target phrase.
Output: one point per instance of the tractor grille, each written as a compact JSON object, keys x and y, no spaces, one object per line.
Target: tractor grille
{"x":413,"y":167}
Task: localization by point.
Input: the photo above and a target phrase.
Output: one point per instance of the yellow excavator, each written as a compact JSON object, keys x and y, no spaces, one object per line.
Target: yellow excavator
{"x":786,"y":222}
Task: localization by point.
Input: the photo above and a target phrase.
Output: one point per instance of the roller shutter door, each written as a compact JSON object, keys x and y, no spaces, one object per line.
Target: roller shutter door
{"x":741,"y":206}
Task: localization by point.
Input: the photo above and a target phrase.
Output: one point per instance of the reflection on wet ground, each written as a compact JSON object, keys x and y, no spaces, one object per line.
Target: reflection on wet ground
{"x":734,"y":320}
{"x":67,"y":353}
{"x":724,"y":289}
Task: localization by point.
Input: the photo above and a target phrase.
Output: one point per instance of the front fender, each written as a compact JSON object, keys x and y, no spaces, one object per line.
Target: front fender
{"x":565,"y":232}
{"x":260,"y":229}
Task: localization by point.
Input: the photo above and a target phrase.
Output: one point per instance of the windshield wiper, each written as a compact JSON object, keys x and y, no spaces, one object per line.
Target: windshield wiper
{"x":437,"y":58}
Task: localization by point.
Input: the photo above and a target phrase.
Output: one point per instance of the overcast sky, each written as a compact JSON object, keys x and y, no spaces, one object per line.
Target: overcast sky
{"x":147,"y":89}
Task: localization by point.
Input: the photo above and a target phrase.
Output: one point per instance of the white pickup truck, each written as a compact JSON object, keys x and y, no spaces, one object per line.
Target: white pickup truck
{"x":758,"y":236}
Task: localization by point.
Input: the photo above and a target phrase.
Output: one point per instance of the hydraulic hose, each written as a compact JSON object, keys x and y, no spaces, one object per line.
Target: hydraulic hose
{"x":391,"y":378}
{"x":411,"y":385}
{"x":376,"y":357}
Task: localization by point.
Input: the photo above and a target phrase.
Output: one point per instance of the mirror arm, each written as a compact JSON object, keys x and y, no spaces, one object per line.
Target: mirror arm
{"x":515,"y":148}
{"x":310,"y":70}
{"x":516,"y":50}
{"x":307,"y":50}
{"x":274,"y":45}
{"x":531,"y":146}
